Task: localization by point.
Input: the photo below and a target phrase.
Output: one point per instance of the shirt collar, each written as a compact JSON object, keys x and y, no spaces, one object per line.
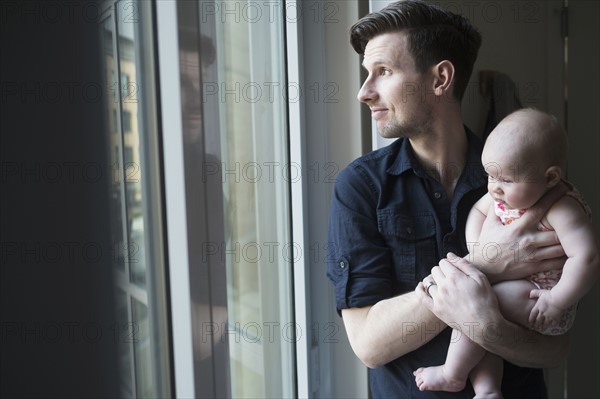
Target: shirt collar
{"x":406,"y":160}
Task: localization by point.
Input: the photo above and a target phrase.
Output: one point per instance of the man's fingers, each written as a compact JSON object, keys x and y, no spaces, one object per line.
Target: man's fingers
{"x":552,"y":253}
{"x":545,"y":239}
{"x":461,"y":264}
{"x":437,"y":273}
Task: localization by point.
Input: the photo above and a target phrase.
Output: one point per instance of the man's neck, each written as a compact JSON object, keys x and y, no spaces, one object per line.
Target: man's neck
{"x":443,"y":154}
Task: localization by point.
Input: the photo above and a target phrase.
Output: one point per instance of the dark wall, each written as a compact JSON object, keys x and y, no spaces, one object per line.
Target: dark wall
{"x":57,"y":330}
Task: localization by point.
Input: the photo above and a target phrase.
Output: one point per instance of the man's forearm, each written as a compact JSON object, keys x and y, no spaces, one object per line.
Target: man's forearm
{"x":521,"y":346}
{"x":390,"y":329}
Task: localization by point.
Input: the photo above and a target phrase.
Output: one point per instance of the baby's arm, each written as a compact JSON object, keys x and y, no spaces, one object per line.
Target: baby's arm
{"x":477,"y":216}
{"x":575,"y":232}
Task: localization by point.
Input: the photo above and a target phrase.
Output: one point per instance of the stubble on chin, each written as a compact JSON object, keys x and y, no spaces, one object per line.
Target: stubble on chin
{"x":409,"y":130}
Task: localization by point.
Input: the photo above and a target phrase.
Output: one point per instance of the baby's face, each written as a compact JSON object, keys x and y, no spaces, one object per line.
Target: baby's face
{"x":517,"y":183}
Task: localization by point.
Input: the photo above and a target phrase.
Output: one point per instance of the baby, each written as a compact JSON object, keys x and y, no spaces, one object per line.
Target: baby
{"x":524,"y":157}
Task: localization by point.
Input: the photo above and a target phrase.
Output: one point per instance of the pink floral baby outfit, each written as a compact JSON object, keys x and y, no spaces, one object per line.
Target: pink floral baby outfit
{"x":547,"y":279}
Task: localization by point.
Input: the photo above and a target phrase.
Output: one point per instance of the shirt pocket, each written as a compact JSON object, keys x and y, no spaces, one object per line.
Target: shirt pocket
{"x":411,"y":239}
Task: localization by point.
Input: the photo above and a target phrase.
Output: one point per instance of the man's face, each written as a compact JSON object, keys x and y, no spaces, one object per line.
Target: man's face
{"x":395,"y":91}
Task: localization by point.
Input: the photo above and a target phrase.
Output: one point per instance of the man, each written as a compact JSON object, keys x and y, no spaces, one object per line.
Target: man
{"x":398,"y":211}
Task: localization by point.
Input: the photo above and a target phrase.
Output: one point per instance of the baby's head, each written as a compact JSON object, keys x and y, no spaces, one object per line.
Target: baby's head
{"x":524,"y":156}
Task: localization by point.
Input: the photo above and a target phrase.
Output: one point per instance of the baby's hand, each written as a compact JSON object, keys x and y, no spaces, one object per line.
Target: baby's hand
{"x":544,"y":313}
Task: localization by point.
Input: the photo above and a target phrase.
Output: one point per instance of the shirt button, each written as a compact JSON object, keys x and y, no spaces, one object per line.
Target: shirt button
{"x":409,"y":230}
{"x":437,"y":195}
{"x":342,"y":264}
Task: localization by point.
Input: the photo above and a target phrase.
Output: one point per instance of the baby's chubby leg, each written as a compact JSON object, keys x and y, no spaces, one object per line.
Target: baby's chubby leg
{"x":463,"y":355}
{"x":486,"y":377}
{"x":513,"y":300}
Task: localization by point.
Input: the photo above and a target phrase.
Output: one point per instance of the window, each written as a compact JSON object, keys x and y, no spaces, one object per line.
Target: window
{"x":127,"y":121}
{"x":255,"y":174}
{"x":235,"y":150}
{"x":141,"y":328}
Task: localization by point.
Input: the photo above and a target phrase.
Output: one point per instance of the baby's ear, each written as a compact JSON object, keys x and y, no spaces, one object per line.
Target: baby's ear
{"x":553,"y":175}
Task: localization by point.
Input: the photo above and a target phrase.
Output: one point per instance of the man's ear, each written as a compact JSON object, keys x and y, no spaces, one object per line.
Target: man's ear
{"x":443,"y":74}
{"x":553,"y":175}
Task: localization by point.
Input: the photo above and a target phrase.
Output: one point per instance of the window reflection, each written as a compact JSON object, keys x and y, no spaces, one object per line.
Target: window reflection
{"x":240,"y":256}
{"x":204,"y":196}
{"x":140,"y":329}
{"x":114,"y":137}
{"x":145,"y":384}
{"x":129,"y":104}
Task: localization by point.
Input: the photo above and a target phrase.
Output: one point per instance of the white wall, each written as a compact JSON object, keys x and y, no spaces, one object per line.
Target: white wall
{"x":344,"y":127}
{"x":333,"y":139}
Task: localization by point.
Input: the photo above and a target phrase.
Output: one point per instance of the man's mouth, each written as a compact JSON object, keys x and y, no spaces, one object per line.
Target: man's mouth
{"x":377,"y":112}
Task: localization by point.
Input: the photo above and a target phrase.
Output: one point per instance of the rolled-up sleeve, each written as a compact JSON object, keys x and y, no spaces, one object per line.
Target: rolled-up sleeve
{"x":359,"y":262}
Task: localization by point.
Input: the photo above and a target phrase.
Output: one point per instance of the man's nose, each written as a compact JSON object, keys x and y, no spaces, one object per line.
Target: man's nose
{"x":367,"y":93}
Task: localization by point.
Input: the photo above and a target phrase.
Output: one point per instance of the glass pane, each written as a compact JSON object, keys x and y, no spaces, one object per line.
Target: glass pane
{"x":142,"y":350}
{"x":254,"y":169}
{"x":141,"y":329}
{"x":114,"y":151}
{"x":121,"y":334}
{"x":127,"y":25}
{"x":241,"y":138}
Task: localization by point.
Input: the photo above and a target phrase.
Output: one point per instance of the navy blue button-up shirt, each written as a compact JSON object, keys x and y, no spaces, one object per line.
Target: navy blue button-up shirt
{"x":390,"y":223}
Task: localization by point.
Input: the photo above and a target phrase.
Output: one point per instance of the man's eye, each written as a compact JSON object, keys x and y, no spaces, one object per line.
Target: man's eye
{"x":384,"y":71}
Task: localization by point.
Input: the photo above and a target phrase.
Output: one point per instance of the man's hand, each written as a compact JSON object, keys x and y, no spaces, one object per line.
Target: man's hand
{"x":461,"y":297}
{"x":506,"y":252}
